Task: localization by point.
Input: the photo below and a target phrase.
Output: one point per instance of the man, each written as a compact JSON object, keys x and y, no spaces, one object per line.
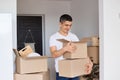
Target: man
{"x":57,"y":48}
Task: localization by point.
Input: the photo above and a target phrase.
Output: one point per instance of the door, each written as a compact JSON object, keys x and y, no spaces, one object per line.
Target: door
{"x":29,"y":30}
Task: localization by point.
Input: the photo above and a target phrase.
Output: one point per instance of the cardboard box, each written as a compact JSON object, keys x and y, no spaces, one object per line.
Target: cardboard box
{"x":85,"y":39}
{"x":80,"y":52}
{"x":91,"y":41}
{"x":32,"y":45}
{"x":73,"y":68}
{"x":95,"y":39}
{"x":33,"y":76}
{"x":30,"y":64}
{"x":93,"y":53}
{"x":25,"y":51}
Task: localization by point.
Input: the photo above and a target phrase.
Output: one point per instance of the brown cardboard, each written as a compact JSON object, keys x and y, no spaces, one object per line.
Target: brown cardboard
{"x":31,"y":64}
{"x":25,"y":51}
{"x":93,"y":53}
{"x":16,"y":52}
{"x":95,"y":43}
{"x":95,"y":39}
{"x":73,"y":68}
{"x":85,"y":39}
{"x":80,"y":52}
{"x":33,"y":76}
{"x":92,"y":41}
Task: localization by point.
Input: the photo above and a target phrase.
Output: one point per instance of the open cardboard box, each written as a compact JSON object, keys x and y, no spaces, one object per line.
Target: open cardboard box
{"x":30,"y":64}
{"x":80,"y":52}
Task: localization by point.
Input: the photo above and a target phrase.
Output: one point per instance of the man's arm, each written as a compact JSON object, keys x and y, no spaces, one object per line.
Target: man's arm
{"x":56,"y":53}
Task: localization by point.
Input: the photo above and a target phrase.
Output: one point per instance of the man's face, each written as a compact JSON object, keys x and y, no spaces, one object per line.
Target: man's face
{"x":65,"y":26}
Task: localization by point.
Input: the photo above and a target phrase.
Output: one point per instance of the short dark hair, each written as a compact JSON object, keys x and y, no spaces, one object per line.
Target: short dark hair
{"x":65,"y":17}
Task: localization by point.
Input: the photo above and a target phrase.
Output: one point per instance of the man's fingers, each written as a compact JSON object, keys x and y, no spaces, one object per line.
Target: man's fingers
{"x":88,"y":68}
{"x":71,"y":47}
{"x":70,"y":42}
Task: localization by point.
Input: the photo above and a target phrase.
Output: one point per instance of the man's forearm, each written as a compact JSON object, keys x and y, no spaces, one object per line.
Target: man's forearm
{"x":58,"y":53}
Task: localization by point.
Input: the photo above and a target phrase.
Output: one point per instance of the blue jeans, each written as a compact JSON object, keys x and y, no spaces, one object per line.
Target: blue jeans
{"x":64,"y":78}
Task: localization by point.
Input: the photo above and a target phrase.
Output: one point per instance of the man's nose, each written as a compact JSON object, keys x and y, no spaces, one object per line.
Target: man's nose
{"x":68,"y":27}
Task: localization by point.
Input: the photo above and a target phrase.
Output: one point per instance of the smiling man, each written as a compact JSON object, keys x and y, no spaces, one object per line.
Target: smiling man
{"x":56,"y":47}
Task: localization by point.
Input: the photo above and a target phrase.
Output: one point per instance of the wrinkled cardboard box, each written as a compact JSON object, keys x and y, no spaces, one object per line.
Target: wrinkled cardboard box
{"x":30,"y":64}
{"x":73,"y":68}
{"x":32,"y":76}
{"x":80,"y":52}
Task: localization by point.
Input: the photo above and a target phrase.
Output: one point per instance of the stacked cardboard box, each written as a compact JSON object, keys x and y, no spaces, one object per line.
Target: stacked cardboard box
{"x":93,"y":48}
{"x":30,"y":68}
{"x":32,"y":76}
{"x":95,"y":41}
{"x":74,"y":63}
{"x":93,"y":53}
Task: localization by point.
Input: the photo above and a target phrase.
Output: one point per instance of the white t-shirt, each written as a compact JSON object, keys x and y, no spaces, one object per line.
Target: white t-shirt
{"x":53,"y":42}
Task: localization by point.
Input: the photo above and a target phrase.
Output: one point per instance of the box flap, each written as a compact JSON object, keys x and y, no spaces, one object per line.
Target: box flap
{"x":16,"y":52}
{"x":25,"y":51}
{"x":37,"y":57}
{"x":86,"y":39}
{"x":66,"y":41}
{"x":63,"y":40}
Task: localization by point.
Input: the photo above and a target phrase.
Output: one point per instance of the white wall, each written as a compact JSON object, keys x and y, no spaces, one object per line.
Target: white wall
{"x":9,"y":6}
{"x":53,"y":10}
{"x":6,"y":57}
{"x":7,"y":37}
{"x":110,"y":41}
{"x":85,"y":17}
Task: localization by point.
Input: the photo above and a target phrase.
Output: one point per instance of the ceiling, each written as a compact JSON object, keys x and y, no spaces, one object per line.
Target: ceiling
{"x":60,"y":0}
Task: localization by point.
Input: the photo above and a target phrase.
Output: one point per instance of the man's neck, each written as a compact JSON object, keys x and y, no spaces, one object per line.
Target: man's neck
{"x":63,"y":33}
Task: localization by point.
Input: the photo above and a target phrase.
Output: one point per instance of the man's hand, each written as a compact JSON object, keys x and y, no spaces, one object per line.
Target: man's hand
{"x":70,"y":47}
{"x":88,"y":66}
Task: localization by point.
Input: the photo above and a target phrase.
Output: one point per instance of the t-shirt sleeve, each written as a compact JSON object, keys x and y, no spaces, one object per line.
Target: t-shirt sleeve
{"x":52,"y":41}
{"x":75,"y":38}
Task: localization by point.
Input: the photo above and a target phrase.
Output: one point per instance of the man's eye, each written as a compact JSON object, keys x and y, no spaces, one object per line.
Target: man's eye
{"x":67,"y":25}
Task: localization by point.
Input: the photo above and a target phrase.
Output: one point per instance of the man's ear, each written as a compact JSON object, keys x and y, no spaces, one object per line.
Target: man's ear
{"x":60,"y":24}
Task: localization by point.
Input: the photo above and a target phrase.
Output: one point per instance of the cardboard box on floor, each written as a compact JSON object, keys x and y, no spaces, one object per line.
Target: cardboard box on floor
{"x":30,"y":64}
{"x":73,"y":67}
{"x":93,"y":53}
{"x":32,"y":76}
{"x":80,"y":52}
